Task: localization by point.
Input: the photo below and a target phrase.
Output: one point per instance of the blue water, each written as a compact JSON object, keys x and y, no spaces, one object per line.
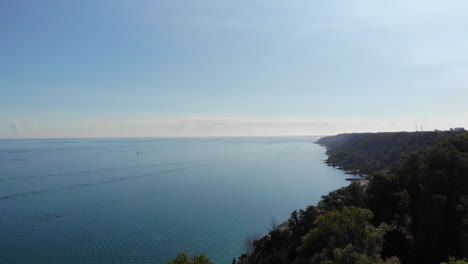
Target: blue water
{"x":145,"y":200}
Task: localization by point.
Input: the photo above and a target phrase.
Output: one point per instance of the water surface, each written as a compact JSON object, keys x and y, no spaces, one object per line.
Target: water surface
{"x":145,"y":200}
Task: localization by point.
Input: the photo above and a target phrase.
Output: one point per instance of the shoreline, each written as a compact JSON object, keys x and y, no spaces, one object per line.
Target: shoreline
{"x":359,"y":177}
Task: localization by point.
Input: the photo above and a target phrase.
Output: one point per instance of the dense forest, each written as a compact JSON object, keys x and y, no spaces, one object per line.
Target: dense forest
{"x":413,"y":210}
{"x":369,"y":153}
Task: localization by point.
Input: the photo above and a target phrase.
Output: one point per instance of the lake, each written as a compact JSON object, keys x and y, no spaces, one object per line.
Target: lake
{"x":145,"y":200}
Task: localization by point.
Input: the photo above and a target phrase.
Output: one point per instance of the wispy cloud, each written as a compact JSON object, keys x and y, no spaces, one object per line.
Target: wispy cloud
{"x":21,"y":129}
{"x":15,"y":126}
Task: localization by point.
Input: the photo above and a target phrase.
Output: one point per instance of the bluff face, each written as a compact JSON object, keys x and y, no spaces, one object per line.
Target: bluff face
{"x":369,"y":153}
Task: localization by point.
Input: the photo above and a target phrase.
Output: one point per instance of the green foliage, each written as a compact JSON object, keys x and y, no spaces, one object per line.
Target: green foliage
{"x":343,"y":237}
{"x":372,"y":152}
{"x":421,"y":195}
{"x":183,"y":258}
{"x":453,"y":260}
{"x":201,"y":259}
{"x":424,"y":194}
{"x":352,"y":195}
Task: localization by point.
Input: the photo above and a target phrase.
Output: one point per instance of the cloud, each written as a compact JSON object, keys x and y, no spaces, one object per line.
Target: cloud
{"x":21,"y":129}
{"x":15,"y":126}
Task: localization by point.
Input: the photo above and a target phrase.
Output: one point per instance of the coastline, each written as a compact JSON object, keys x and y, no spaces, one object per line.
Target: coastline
{"x":362,"y":178}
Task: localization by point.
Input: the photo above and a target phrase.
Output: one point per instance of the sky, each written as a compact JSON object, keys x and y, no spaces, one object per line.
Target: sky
{"x":149,"y":68}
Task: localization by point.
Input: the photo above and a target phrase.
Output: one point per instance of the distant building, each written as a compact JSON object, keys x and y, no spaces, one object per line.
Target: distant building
{"x":457,"y":129}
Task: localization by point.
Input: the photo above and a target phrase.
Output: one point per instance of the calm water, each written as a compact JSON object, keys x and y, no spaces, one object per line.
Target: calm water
{"x":145,"y":200}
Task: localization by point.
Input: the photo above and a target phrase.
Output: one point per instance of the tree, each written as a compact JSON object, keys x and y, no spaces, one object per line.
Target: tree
{"x":201,"y":259}
{"x":342,"y":237}
{"x":351,"y":195}
{"x":453,"y":260}
{"x":183,"y":258}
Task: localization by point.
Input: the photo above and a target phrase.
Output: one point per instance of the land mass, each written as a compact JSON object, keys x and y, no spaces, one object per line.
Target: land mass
{"x":368,"y":153}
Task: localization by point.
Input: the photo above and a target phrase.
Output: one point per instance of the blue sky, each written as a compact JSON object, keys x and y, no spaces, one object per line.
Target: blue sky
{"x":114,"y":68}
